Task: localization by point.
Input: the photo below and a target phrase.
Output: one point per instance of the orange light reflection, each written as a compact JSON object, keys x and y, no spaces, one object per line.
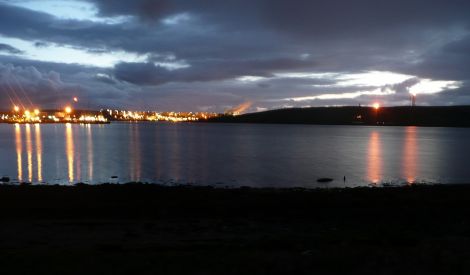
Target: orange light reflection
{"x":69,"y":149}
{"x":29,"y":152}
{"x":410,"y":157}
{"x":90,"y":152}
{"x":19,"y":151}
{"x":134,"y":152}
{"x":37,"y":129}
{"x":374,"y":158}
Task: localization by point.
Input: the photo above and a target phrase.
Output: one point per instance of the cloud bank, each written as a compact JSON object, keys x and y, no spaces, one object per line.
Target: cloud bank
{"x":215,"y":55}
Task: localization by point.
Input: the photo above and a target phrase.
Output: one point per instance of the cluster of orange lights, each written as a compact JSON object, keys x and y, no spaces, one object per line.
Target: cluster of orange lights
{"x":67,"y":109}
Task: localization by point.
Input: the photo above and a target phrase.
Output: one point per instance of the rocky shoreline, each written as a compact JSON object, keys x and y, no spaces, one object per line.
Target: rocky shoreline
{"x":138,"y":228}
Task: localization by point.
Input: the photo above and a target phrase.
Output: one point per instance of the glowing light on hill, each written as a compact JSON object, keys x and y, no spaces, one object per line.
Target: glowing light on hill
{"x":376,"y":105}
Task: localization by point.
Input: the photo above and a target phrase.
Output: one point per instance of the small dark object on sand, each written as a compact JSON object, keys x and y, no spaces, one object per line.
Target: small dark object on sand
{"x":4,"y":179}
{"x":114,"y":177}
{"x":324,"y":180}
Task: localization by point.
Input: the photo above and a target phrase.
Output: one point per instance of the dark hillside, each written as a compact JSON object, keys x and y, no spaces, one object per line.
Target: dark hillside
{"x":453,"y":116}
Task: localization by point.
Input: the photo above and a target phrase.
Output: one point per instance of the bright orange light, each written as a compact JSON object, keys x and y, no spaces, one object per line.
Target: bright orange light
{"x":376,"y":105}
{"x":75,"y":99}
{"x":36,"y":111}
{"x":27,"y":113}
{"x":16,"y":108}
{"x":68,"y":110}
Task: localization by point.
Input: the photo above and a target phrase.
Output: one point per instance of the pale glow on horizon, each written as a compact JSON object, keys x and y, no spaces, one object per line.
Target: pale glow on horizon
{"x":369,"y":78}
{"x":306,"y":75}
{"x":372,"y":78}
{"x":429,"y":86}
{"x":250,"y":78}
{"x":382,"y":80}
{"x":173,"y":65}
{"x":350,"y":95}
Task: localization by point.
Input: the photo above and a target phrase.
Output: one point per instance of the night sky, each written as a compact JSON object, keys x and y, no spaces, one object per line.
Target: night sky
{"x":191,"y":55}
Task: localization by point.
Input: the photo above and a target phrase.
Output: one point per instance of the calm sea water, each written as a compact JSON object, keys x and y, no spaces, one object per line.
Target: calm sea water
{"x":233,"y":154}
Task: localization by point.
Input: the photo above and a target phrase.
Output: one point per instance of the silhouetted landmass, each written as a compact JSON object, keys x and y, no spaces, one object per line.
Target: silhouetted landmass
{"x":149,"y":229}
{"x":452,"y":116}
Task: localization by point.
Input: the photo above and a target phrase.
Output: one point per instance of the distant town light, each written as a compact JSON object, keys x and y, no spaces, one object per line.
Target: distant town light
{"x":376,"y":105}
{"x":75,"y":99}
{"x":68,"y":110}
{"x":27,"y":113}
{"x":16,"y":108}
{"x":36,"y":111}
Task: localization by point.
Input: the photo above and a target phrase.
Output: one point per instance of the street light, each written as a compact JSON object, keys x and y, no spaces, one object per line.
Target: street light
{"x":16,"y":108}
{"x":68,"y":110}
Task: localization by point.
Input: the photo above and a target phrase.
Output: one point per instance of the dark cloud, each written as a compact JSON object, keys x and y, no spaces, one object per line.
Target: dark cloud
{"x":26,"y":86}
{"x":31,"y":25}
{"x":40,"y":44}
{"x":148,"y":9}
{"x":447,"y":62}
{"x":41,"y":84}
{"x":9,"y":49}
{"x":219,"y":41}
{"x":151,"y":74}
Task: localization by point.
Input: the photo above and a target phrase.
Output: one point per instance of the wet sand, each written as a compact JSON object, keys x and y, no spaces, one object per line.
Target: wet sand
{"x":147,"y":229}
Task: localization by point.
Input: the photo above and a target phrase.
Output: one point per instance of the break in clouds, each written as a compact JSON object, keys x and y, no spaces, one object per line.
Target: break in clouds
{"x":214,"y":55}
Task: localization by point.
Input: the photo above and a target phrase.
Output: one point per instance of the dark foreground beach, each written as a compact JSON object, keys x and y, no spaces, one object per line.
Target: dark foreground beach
{"x":148,"y":229}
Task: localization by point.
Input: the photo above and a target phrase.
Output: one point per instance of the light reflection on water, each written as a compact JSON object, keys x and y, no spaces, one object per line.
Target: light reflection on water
{"x":410,"y":155}
{"x":233,"y":154}
{"x":89,"y":136}
{"x":374,"y":158}
{"x":38,"y":146}
{"x":19,"y":152}
{"x":134,"y":153}
{"x":69,"y":151}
